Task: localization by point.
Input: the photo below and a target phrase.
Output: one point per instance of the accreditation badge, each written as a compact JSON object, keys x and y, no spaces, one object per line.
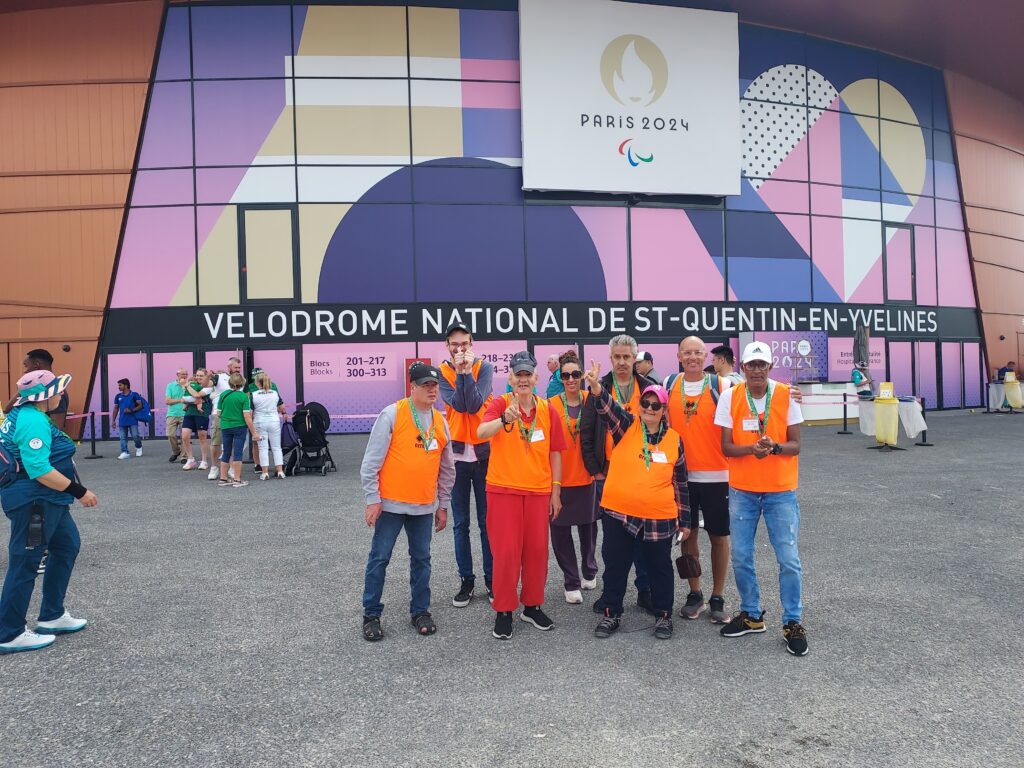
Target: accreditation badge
{"x":751,"y":425}
{"x":35,"y":443}
{"x":538,"y":436}
{"x":659,"y":457}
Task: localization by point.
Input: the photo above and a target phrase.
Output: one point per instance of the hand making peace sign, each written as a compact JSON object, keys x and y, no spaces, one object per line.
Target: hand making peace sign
{"x":593,"y":378}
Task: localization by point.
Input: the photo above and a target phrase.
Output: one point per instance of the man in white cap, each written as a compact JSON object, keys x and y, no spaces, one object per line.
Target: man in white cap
{"x":761,"y":436}
{"x":645,"y":366}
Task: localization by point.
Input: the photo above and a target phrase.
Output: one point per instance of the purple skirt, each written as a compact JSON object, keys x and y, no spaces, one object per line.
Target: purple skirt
{"x":578,"y":507}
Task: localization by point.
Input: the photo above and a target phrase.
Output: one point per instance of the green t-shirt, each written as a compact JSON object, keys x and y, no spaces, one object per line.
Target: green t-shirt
{"x":175,"y":391}
{"x":231,"y":405}
{"x":201,"y":408}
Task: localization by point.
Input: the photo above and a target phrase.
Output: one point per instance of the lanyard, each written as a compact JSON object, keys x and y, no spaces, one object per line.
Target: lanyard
{"x":762,"y":420}
{"x":427,"y":439}
{"x":690,"y":406}
{"x":618,"y":392}
{"x":524,"y":432}
{"x":565,"y":408}
{"x":648,"y":439}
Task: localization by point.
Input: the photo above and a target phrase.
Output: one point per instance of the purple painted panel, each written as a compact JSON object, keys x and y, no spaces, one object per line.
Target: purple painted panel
{"x":165,"y":364}
{"x":972,"y":374}
{"x":157,"y":242}
{"x":131,"y":366}
{"x":94,"y":405}
{"x":949,"y":214}
{"x":951,"y":370}
{"x":956,"y":286}
{"x":607,"y":228}
{"x":241,"y":42}
{"x":173,"y":187}
{"x":898,"y":268}
{"x":901,"y":369}
{"x":927,"y":386}
{"x":375,"y":240}
{"x":492,"y":133}
{"x":924,"y":263}
{"x":174,"y":59}
{"x":562,"y":263}
{"x":233,"y":118}
{"x":280,"y":366}
{"x":218,"y":360}
{"x":167,"y":141}
{"x":489,"y":34}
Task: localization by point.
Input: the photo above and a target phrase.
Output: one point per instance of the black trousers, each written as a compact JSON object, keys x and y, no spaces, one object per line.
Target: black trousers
{"x":618,"y":552}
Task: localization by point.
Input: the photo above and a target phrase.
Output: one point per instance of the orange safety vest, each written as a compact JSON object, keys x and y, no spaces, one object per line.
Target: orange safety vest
{"x":632,"y":488}
{"x":409,"y":473}
{"x":516,"y":464}
{"x":463,"y":425}
{"x":633,"y":407}
{"x":702,"y":438}
{"x":772,"y":473}
{"x":574,"y":473}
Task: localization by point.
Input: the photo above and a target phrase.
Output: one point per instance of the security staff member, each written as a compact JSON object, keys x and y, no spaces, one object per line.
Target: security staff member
{"x":37,"y":504}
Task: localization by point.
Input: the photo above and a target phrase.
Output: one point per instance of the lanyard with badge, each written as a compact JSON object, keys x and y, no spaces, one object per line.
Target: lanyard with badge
{"x":690,"y":406}
{"x":429,"y":443}
{"x":527,"y":433}
{"x":622,"y":398}
{"x":658,"y":457}
{"x":568,"y":426}
{"x":761,"y":420}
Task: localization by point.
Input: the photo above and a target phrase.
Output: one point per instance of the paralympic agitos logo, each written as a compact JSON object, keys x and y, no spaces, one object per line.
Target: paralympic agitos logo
{"x":635,"y":73}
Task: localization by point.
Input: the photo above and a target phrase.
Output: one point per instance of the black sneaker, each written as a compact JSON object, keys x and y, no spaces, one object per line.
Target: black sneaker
{"x":173,"y":458}
{"x":41,"y":568}
{"x":796,"y":638}
{"x":743,"y":624}
{"x":716,"y":610}
{"x":694,"y":606}
{"x":663,"y":627}
{"x":461,"y":600}
{"x":532,"y":614}
{"x":643,"y":600}
{"x":490,"y":591}
{"x":503,"y":625}
{"x":600,"y":605}
{"x":608,"y":626}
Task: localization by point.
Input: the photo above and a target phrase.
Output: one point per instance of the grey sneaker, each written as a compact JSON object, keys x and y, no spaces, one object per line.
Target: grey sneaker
{"x":694,"y":606}
{"x":663,"y":627}
{"x":716,"y":610}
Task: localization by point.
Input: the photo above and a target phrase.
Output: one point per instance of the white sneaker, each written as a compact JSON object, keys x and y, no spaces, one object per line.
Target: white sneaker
{"x":27,"y":641}
{"x":573,"y":596}
{"x":264,"y":476}
{"x":214,"y":474}
{"x":138,"y":451}
{"x":190,"y":464}
{"x":588,"y":584}
{"x":203,"y":465}
{"x":124,"y":455}
{"x":280,"y":475}
{"x":65,"y":624}
{"x":231,"y":474}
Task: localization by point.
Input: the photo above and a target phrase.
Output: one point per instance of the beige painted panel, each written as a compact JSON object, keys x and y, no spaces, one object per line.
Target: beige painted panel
{"x":269,"y":261}
{"x":353,"y":31}
{"x":317,"y":224}
{"x":434,"y":33}
{"x":334,"y":130}
{"x":437,"y":131}
{"x":218,"y":261}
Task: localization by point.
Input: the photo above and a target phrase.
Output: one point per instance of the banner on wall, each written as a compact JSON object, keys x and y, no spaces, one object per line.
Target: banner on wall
{"x":627,"y":97}
{"x":231,"y":326}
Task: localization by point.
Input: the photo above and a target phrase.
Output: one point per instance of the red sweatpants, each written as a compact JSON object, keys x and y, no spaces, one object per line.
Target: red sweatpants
{"x":517,"y":529}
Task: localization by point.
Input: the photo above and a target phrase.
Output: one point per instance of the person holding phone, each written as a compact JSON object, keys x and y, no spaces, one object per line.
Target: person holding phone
{"x":645,"y":500}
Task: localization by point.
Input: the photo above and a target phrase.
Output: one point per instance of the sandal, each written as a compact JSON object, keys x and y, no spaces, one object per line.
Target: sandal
{"x":371,"y":629}
{"x":424,"y":623}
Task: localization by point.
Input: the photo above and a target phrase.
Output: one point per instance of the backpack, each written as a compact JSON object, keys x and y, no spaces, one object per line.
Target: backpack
{"x":9,"y":467}
{"x":145,"y":413}
{"x":714,"y":386}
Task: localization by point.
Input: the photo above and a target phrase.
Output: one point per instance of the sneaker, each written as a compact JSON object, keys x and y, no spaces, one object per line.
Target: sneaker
{"x":796,"y":638}
{"x":503,"y":625}
{"x":27,"y":641}
{"x":663,"y":627}
{"x":264,"y":476}
{"x":214,"y":474}
{"x":532,"y":614}
{"x":41,"y":568}
{"x":62,"y":626}
{"x":189,"y":464}
{"x":257,"y":469}
{"x":716,"y":610}
{"x":643,"y":600}
{"x":204,"y":466}
{"x":280,"y":476}
{"x":588,"y":584}
{"x":231,"y":473}
{"x":743,"y":624}
{"x":694,"y":606}
{"x":465,"y":593}
{"x":607,"y":626}
{"x":239,"y":483}
{"x":224,"y":484}
{"x":173,"y":458}
{"x":573,"y":596}
{"x":490,"y":592}
{"x":138,"y":451}
{"x":124,"y":455}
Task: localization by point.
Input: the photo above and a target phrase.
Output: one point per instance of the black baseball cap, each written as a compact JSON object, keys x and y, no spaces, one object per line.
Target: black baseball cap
{"x":457,"y":326}
{"x":421,"y":373}
{"x":522,"y":361}
{"x":646,"y":356}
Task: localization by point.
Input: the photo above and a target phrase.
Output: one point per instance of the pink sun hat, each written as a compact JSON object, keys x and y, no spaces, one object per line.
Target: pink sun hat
{"x":36,"y":386}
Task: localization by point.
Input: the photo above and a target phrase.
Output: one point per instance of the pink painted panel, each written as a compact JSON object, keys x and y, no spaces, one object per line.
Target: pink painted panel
{"x":826,"y":160}
{"x":924,"y":261}
{"x":158,"y":243}
{"x":280,"y":366}
{"x":927,"y":386}
{"x":490,"y":95}
{"x":490,"y":69}
{"x":956,"y":286}
{"x":898,"y":273}
{"x":607,"y":229}
{"x":951,"y":369}
{"x":901,"y":371}
{"x":165,"y":364}
{"x":173,"y":187}
{"x":218,"y":361}
{"x":670,"y":262}
{"x":972,"y":374}
{"x":131,"y":366}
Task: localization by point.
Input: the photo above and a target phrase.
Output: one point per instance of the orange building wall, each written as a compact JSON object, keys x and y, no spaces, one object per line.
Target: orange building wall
{"x":73,"y":84}
{"x":989,"y":139}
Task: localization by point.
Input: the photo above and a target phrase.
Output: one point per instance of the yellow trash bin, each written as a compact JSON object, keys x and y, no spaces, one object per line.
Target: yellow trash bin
{"x":887,"y":415}
{"x":1013,"y":393}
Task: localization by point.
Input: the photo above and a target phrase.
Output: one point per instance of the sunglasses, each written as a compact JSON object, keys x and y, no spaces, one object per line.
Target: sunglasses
{"x":566,"y":375}
{"x":652,"y":405}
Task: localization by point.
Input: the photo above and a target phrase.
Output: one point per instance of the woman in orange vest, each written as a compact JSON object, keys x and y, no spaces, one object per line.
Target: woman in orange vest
{"x":645,"y":499}
{"x":524,"y":478}
{"x":578,"y":508}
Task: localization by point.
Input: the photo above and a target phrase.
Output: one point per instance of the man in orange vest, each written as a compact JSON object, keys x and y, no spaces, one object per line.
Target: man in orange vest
{"x":407,"y":476}
{"x":467,"y":390}
{"x":761,"y":436}
{"x":692,"y":398}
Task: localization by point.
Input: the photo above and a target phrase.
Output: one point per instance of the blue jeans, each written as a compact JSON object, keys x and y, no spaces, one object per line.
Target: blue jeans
{"x":470,"y":475}
{"x":418,"y":529}
{"x":641,"y":582}
{"x":233,"y":439}
{"x":782,"y":519}
{"x":60,"y":537}
{"x":134,"y":429}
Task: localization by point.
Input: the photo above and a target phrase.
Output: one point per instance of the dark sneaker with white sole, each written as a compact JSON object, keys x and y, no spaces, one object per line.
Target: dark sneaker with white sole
{"x":465,"y":593}
{"x":608,"y":626}
{"x":716,"y":610}
{"x":743,"y":624}
{"x":532,"y":614}
{"x":663,"y":627}
{"x":503,"y":625}
{"x":796,"y":638}
{"x":693,"y":607}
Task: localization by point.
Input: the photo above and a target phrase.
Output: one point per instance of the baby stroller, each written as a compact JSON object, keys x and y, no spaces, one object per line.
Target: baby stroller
{"x":312,"y":453}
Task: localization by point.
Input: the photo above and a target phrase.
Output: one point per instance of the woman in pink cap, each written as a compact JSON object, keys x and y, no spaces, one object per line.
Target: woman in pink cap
{"x":38,"y":483}
{"x":645,"y":499}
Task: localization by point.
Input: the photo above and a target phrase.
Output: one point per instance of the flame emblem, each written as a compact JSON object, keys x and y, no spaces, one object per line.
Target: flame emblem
{"x":634,"y":158}
{"x":634,"y":70}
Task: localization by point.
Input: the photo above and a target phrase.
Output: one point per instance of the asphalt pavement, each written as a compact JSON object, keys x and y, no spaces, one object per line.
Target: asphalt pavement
{"x":225,"y":631}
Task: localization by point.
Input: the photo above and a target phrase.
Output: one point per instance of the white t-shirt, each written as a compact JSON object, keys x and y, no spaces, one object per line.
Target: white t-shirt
{"x":264,"y":405}
{"x":692,"y":389}
{"x":723,"y":416}
{"x":219,"y":388}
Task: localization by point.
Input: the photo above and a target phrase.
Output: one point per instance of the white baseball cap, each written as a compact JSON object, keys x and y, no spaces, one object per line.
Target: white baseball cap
{"x":757,"y":350}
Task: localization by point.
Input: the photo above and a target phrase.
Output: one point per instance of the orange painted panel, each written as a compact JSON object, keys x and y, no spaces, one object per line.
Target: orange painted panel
{"x":999,"y":289}
{"x":991,"y":175}
{"x":995,"y":222}
{"x":982,"y":111}
{"x":998,"y":251}
{"x":34,"y":193}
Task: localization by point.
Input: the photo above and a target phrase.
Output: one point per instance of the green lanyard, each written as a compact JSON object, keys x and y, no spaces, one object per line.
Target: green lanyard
{"x":623,"y":400}
{"x":427,"y":439}
{"x":565,"y":410}
{"x":527,"y":434}
{"x":762,"y":420}
{"x":648,"y":441}
{"x":690,"y":406}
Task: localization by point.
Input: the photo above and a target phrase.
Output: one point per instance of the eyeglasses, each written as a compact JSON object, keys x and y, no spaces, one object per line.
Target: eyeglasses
{"x":757,"y":365}
{"x":652,"y":405}
{"x":566,"y":375}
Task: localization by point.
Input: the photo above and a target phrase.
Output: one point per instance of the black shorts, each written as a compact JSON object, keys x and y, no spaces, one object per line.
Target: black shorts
{"x":195,"y":423}
{"x":712,"y":499}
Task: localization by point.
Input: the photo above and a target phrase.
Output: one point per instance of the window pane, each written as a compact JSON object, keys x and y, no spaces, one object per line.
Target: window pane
{"x":269,"y":255}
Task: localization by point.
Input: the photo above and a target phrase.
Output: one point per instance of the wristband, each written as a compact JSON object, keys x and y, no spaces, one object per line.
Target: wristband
{"x":76,"y":490}
{"x":556,"y":482}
